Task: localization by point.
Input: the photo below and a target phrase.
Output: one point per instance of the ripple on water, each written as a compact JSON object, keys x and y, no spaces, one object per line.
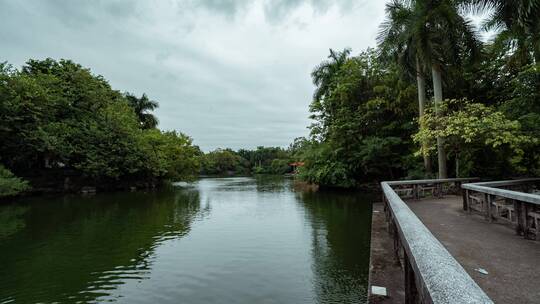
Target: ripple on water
{"x":237,"y":240}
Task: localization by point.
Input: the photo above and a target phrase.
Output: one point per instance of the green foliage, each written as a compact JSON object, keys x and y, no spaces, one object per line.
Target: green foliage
{"x":56,"y":116}
{"x":524,"y":94}
{"x":364,"y":106}
{"x":142,"y":106}
{"x":468,"y":127}
{"x":523,"y":104}
{"x":427,"y":32}
{"x":462,"y":123}
{"x":224,"y":162}
{"x":171,"y":155}
{"x":518,"y":24}
{"x":361,"y":123}
{"x":279,"y":166}
{"x":263,"y":160}
{"x":11,"y":185}
{"x":323,"y":166}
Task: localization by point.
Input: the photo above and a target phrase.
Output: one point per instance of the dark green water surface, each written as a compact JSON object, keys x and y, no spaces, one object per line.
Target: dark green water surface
{"x":218,"y":240}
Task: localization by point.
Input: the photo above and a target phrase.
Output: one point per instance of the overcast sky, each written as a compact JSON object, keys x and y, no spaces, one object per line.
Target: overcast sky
{"x":229,"y":73}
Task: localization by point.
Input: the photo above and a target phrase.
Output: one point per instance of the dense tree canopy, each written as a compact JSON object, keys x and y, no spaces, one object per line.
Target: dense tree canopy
{"x":361,"y":124}
{"x":63,"y":127}
{"x":364,"y":107}
{"x":472,"y":127}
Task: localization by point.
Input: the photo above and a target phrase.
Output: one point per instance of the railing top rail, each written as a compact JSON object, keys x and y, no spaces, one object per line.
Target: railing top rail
{"x":515,"y":195}
{"x":443,"y":280}
{"x":510,"y":182}
{"x":431,"y":181}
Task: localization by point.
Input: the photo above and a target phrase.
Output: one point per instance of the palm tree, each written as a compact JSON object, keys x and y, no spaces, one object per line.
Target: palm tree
{"x":142,"y":106}
{"x":432,"y":35}
{"x":323,"y":73}
{"x":518,"y":23}
{"x":396,"y":40}
{"x":323,"y":77}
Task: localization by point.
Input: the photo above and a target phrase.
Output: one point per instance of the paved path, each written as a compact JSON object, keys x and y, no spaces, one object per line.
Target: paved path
{"x":513,"y":263}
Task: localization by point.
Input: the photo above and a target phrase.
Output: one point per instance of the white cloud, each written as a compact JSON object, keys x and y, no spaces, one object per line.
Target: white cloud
{"x":228,"y":73}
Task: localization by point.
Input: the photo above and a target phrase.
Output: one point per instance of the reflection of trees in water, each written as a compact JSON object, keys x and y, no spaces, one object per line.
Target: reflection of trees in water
{"x":260,"y":183}
{"x":272,"y":183}
{"x":341,"y":234}
{"x":10,"y":220}
{"x":77,"y":249}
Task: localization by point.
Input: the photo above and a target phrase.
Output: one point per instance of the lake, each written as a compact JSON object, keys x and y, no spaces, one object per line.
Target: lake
{"x":217,"y":240}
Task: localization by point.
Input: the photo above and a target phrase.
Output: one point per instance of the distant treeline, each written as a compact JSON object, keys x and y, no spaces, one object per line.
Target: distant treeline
{"x":263,"y":160}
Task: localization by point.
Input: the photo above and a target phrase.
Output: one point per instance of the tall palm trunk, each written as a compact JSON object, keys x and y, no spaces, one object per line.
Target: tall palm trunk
{"x":437,"y":96}
{"x":421,"y":106}
{"x":536,"y":50}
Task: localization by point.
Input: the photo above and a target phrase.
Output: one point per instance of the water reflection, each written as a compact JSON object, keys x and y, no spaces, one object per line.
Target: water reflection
{"x":83,"y":247}
{"x":10,"y":220}
{"x":220,"y":240}
{"x":340,"y":244}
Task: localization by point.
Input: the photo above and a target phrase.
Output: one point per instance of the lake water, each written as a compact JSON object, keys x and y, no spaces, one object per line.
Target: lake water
{"x":218,"y":240}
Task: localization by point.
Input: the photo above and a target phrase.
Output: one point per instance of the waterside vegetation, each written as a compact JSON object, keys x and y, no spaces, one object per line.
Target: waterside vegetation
{"x":377,"y":117}
{"x":62,"y":128}
{"x":262,"y":160}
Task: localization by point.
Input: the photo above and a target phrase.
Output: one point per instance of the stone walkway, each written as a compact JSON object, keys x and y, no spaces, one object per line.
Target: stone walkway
{"x":512,"y":263}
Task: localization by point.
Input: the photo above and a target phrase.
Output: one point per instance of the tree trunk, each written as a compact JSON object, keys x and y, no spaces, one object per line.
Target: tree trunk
{"x":437,"y":96}
{"x":421,"y":106}
{"x":457,"y":164}
{"x":535,"y":37}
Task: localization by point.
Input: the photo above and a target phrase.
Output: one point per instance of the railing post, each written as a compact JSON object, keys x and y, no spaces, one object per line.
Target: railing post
{"x":387,"y":215}
{"x":411,"y":292}
{"x":519,"y":217}
{"x":465,"y":195}
{"x":439,"y":187}
{"x":416,"y":193}
{"x":396,"y":244}
{"x":526,"y":220}
{"x":489,"y":198}
{"x":486,"y":206}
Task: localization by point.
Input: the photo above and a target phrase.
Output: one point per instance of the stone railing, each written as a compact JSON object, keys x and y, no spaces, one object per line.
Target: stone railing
{"x":432,"y":275}
{"x":429,"y":187}
{"x":516,"y":202}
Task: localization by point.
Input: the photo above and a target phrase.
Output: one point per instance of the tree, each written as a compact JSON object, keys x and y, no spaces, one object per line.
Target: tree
{"x":224,"y":162}
{"x":171,"y":154}
{"x":323,"y":78}
{"x":11,"y":185}
{"x":396,"y":40}
{"x":363,"y":127}
{"x":466,"y":127}
{"x":63,"y":127}
{"x":518,"y":23}
{"x":142,"y":106}
{"x":432,"y":34}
